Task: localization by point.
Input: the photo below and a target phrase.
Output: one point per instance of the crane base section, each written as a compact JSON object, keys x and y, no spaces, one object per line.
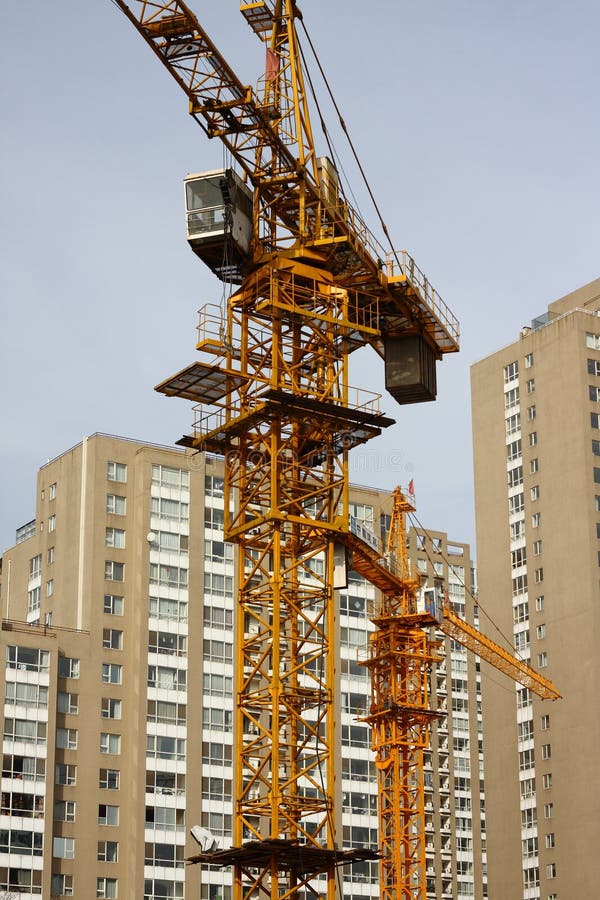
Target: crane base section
{"x":286,"y":856}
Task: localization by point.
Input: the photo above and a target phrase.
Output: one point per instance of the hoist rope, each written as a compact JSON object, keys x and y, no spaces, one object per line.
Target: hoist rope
{"x":347,"y":133}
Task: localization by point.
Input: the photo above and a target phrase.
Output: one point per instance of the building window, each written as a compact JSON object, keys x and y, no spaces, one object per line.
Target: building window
{"x":593,"y":367}
{"x":64,"y":811}
{"x":539,"y":603}
{"x":528,"y":360}
{"x":167,"y":476}
{"x":168,"y":678}
{"x":534,"y":466}
{"x":526,"y":759}
{"x":165,"y":608}
{"x":113,"y":605}
{"x":164,"y":747}
{"x":533,"y":438}
{"x":217,"y":719}
{"x":214,"y":486}
{"x":518,"y":557}
{"x":110,"y":743}
{"x":594,"y":393}
{"x":217,"y":685}
{"x":115,"y":537}
{"x":511,"y":398}
{"x":515,"y":476}
{"x":66,"y":738}
{"x":540,"y":632}
{"x":535,"y":492}
{"x":547,"y":781}
{"x":546,"y":751}
{"x":21,"y":694}
{"x":115,"y":505}
{"x":513,"y":451}
{"x":596,"y":448}
{"x":525,"y":730}
{"x":545,"y":722}
{"x":63,"y":848}
{"x":168,"y":643}
{"x":536,"y":520}
{"x":217,"y":651}
{"x":513,"y":423}
{"x":530,"y":385}
{"x":109,"y":779}
{"x":68,"y":667}
{"x":551,"y":870}
{"x":537,"y":547}
{"x":28,"y":659}
{"x":107,"y":814}
{"x":592,"y":341}
{"x":156,"y":887}
{"x":169,"y":576}
{"x":527,"y":789}
{"x":530,"y":847}
{"x":67,"y":703}
{"x":34,"y":601}
{"x":65,"y":775}
{"x":51,"y":555}
{"x":528,"y":818}
{"x":110,"y":708}
{"x":174,"y":511}
{"x":517,"y":530}
{"x":50,"y":588}
{"x":220,"y":552}
{"x":542,"y":660}
{"x":24,"y":731}
{"x":166,"y":712}
{"x":62,"y":886}
{"x":116,"y":471}
{"x":52,"y":492}
{"x":112,"y":673}
{"x":112,"y":639}
{"x":218,"y":585}
{"x":106,"y":888}
{"x":531,"y":413}
{"x":52,"y":523}
{"x":114,"y":571}
{"x":35,"y":566}
{"x":108,"y":851}
{"x":519,"y":585}
{"x":520,"y":613}
{"x":170,"y":542}
{"x":595,"y":420}
{"x":511,"y":371}
{"x":550,"y":840}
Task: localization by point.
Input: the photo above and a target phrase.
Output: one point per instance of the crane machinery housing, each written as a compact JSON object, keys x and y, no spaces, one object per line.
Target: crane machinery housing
{"x":309,"y":285}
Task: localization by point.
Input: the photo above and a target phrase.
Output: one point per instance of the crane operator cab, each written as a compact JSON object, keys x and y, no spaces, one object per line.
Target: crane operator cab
{"x":218,"y":211}
{"x":430,"y":601}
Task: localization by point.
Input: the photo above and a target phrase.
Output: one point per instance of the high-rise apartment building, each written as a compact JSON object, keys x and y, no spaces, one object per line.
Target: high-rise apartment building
{"x":536,"y":431}
{"x":117,"y":699}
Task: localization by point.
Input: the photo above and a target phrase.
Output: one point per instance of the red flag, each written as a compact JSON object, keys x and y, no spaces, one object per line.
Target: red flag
{"x":411,"y":487}
{"x":272,"y":65}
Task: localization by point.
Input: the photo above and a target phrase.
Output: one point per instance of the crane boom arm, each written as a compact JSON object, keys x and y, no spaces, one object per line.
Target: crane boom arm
{"x":456,"y":628}
{"x":220,"y":103}
{"x":270,"y":140}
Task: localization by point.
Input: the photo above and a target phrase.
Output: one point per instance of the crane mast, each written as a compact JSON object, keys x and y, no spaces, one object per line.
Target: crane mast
{"x":272,"y":396}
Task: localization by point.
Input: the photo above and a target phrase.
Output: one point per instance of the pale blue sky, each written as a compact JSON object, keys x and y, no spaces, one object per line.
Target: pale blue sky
{"x":477,"y":124}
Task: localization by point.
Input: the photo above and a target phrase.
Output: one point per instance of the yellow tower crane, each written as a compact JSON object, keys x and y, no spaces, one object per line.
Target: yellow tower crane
{"x":272,"y":397}
{"x":402,"y":652}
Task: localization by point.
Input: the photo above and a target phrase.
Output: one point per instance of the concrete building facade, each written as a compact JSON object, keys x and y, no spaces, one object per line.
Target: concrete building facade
{"x":536,"y":434}
{"x":117,"y":641}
